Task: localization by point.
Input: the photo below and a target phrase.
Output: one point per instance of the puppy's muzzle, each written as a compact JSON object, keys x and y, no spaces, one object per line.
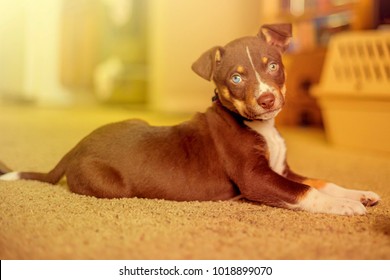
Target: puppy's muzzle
{"x":266,"y":100}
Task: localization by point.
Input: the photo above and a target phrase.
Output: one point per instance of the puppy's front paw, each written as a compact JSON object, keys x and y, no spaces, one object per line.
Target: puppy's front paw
{"x":317,"y":202}
{"x":347,"y":207}
{"x":366,"y":197}
{"x":369,"y":198}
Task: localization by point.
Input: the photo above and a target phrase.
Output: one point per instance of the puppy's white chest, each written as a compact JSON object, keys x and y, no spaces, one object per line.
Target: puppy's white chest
{"x":275,"y":143}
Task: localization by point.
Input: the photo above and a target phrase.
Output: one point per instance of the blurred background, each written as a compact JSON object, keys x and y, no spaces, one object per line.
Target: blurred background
{"x":137,"y":54}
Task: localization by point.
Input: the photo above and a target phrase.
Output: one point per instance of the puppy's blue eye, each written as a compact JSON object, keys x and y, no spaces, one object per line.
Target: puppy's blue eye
{"x":236,"y":79}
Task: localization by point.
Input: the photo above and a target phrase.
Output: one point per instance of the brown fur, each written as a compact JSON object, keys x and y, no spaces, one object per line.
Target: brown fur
{"x":190,"y":161}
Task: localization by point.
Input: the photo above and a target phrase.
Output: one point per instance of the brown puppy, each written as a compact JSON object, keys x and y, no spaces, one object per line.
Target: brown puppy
{"x":232,"y":150}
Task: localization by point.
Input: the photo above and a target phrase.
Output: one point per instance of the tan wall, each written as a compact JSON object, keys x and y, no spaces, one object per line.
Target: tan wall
{"x":12,"y":42}
{"x":67,"y":52}
{"x":29,"y":53}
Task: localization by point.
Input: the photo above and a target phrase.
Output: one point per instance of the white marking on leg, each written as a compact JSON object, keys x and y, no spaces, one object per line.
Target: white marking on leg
{"x":11,"y":176}
{"x":334,"y":190}
{"x":317,"y":202}
{"x":275,"y":143}
{"x":366,"y":197}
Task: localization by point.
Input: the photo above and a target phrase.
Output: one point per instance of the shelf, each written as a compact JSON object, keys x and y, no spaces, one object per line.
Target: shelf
{"x":313,"y":13}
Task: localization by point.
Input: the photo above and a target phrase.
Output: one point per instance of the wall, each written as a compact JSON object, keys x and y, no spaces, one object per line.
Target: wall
{"x":30,"y":51}
{"x":12,"y":41}
{"x":45,"y":56}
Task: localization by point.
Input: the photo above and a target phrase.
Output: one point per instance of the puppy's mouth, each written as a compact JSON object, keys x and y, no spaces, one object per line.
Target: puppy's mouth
{"x":253,"y":111}
{"x":263,"y":116}
{"x":257,"y":113}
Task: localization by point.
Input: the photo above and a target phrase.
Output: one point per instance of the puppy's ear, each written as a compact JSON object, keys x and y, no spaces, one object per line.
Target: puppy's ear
{"x":206,"y":64}
{"x":278,"y":35}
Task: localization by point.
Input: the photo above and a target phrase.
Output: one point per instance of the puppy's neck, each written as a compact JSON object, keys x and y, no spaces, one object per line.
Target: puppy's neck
{"x":218,"y":103}
{"x":262,"y":123}
{"x":274,"y":142}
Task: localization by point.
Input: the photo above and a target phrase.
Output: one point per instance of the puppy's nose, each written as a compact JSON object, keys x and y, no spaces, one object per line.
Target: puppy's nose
{"x":266,"y":100}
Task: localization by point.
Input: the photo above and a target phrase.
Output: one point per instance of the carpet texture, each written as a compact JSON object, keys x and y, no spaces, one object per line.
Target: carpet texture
{"x":41,"y":221}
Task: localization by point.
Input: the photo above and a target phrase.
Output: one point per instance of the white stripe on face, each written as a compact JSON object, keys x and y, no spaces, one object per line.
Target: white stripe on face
{"x":263,"y":87}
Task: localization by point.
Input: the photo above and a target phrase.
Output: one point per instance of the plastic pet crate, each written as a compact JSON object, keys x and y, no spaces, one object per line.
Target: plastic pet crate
{"x":354,"y":90}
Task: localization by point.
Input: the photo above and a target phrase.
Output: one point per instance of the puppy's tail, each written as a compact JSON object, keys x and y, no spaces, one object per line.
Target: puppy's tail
{"x":52,"y":177}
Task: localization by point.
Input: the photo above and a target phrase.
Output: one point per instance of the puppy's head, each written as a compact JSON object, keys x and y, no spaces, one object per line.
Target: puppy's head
{"x":248,"y":72}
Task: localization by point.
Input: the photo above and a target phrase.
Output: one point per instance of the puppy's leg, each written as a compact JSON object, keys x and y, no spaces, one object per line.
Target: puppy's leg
{"x":368,"y":198}
{"x":260,"y":183}
{"x":95,"y":177}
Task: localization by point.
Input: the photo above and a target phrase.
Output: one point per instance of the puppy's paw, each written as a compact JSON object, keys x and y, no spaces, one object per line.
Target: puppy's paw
{"x":317,"y":202}
{"x":347,"y":207}
{"x":366,"y":197}
{"x":369,"y":198}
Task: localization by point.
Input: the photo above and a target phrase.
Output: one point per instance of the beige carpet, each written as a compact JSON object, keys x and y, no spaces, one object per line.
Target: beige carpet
{"x":40,"y":221}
